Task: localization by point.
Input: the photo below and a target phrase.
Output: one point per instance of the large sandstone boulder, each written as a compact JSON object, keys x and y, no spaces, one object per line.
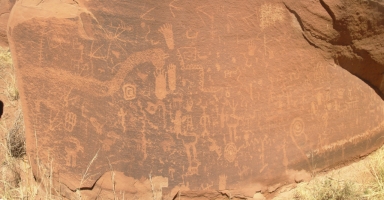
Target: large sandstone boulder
{"x":151,"y":99}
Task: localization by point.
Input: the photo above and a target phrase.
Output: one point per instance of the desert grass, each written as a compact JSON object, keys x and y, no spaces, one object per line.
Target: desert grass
{"x":16,"y":178}
{"x":86,"y":175}
{"x":8,"y":76}
{"x":375,"y":189}
{"x":328,"y":188}
{"x":5,"y":57}
{"x":11,"y":90}
{"x":339,"y":188}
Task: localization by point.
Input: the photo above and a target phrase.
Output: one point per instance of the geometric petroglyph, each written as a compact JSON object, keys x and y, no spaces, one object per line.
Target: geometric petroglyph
{"x":270,"y":14}
{"x":297,"y":127}
{"x":230,"y":152}
{"x":129,"y":91}
{"x":70,"y":121}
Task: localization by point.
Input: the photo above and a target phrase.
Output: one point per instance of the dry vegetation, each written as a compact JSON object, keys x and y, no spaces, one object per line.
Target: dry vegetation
{"x":17,"y":181}
{"x":16,"y":178}
{"x":361,"y":180}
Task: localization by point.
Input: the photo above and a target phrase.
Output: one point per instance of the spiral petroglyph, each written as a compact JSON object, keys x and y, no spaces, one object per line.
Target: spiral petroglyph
{"x":230,"y":152}
{"x":297,"y":127}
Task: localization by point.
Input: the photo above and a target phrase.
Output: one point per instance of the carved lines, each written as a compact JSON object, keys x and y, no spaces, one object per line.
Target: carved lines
{"x":70,"y":121}
{"x":129,"y":91}
{"x":167,"y":32}
{"x":230,"y":152}
{"x":297,"y":127}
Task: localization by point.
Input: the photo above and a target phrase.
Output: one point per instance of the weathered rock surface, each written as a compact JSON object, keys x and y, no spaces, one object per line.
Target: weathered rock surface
{"x":5,"y":9}
{"x":151,"y":99}
{"x":351,"y":31}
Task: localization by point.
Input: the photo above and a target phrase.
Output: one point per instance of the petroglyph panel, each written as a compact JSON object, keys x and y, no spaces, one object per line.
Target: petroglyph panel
{"x":206,"y":95}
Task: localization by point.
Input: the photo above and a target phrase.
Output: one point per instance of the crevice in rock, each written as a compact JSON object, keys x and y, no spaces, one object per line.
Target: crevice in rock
{"x":84,"y":188}
{"x":296,"y":15}
{"x":357,"y":61}
{"x":310,"y":42}
{"x":329,"y":11}
{"x":298,"y":18}
{"x":365,"y":68}
{"x":345,"y":38}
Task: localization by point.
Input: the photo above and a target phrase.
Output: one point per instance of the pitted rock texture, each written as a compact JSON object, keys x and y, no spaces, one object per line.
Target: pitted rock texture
{"x":159,"y":99}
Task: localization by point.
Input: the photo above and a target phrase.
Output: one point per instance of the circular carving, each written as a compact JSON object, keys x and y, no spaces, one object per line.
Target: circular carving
{"x":297,"y":127}
{"x":230,"y":152}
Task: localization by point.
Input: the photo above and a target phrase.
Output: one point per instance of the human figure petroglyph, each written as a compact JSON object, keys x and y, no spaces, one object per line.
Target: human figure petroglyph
{"x":160,"y":84}
{"x":71,"y":156}
{"x":205,"y":121}
{"x":177,"y":121}
{"x":70,"y":121}
{"x":171,"y":171}
{"x":233,"y":122}
{"x":189,"y":140}
{"x":122,"y":114}
{"x":142,"y":144}
{"x":167,"y":32}
{"x":188,"y":122}
{"x":98,"y":88}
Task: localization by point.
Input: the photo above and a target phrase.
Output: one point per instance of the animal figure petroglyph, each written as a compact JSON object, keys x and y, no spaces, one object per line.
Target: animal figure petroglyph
{"x":98,"y":88}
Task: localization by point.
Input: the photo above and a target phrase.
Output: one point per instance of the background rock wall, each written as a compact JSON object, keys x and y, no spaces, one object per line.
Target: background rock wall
{"x":170,"y":96}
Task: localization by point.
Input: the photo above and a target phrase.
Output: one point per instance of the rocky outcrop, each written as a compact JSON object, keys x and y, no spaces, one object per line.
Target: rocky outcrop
{"x":153,"y":99}
{"x":352,"y":32}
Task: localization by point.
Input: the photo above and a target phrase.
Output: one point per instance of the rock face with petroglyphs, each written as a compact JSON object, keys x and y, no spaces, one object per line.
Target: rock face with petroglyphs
{"x":157,"y":99}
